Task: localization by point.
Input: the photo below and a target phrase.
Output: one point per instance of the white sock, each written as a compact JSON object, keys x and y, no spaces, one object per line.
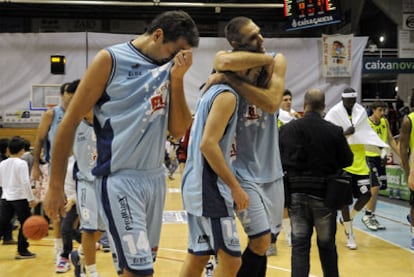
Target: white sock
{"x":348,"y":227}
{"x":91,"y":269}
{"x":286,"y":225}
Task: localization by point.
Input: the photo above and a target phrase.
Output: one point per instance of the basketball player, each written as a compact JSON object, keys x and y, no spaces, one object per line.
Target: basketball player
{"x":91,"y":223}
{"x":257,"y":163}
{"x":137,"y":91}
{"x":44,"y":139}
{"x":209,"y":187}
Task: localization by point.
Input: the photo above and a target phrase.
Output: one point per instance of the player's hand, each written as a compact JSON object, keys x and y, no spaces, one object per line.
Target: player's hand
{"x":54,"y":203}
{"x":349,"y":131}
{"x":36,"y":173}
{"x":410,"y":181}
{"x":182,"y":62}
{"x":215,"y":78}
{"x":240,"y":198}
{"x":69,"y":204}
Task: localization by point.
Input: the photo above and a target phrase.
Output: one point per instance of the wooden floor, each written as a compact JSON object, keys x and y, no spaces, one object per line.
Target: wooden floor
{"x":374,"y":256}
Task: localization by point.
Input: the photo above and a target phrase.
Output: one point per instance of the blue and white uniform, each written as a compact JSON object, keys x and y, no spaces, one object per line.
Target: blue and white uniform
{"x":206,"y":198}
{"x":130,"y":122}
{"x":84,"y":150}
{"x":58,"y":114}
{"x":259,"y":169}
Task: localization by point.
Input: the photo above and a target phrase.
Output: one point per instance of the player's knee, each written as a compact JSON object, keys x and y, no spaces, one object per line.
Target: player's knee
{"x":260,"y":244}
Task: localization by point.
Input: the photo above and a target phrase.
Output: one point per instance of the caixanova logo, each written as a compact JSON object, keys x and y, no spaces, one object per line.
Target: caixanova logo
{"x":388,"y":65}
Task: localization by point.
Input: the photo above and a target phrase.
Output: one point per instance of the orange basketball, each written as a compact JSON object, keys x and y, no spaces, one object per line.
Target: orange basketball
{"x":35,"y":227}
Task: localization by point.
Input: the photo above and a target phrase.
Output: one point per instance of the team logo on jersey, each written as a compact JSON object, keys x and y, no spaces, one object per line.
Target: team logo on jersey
{"x":203,"y":239}
{"x":125,"y":213}
{"x":159,"y":99}
{"x":252,"y":113}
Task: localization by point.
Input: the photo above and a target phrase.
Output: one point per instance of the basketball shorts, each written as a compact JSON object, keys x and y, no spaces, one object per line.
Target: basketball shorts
{"x":207,"y":235}
{"x":87,"y":204}
{"x":377,"y":172}
{"x":265,"y":212}
{"x":360,"y":185}
{"x":132,"y":203}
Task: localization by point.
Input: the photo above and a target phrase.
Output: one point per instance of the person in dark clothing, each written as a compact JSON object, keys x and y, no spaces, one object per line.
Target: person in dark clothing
{"x":312,"y":149}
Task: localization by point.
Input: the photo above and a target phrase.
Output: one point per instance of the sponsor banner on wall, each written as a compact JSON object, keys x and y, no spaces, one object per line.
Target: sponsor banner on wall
{"x":21,"y":118}
{"x":337,"y":55}
{"x":387,"y":65}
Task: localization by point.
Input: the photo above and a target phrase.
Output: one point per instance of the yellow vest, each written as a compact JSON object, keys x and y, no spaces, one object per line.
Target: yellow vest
{"x":411,"y":142}
{"x":382,"y":131}
{"x":359,"y":165}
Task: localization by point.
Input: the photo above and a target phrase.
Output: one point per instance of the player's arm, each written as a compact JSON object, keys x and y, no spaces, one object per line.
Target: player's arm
{"x":267,"y":98}
{"x":179,"y":119}
{"x":221,"y":111}
{"x":240,"y":60}
{"x":390,"y":139}
{"x":404,"y":144}
{"x":411,"y":174}
{"x":89,"y":91}
{"x":41,"y":135}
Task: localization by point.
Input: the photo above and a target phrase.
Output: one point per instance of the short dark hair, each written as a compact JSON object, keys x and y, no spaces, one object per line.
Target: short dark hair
{"x":287,"y":92}
{"x":4,"y":143}
{"x":63,"y":88}
{"x":378,"y":104}
{"x":72,"y":86}
{"x":176,"y":24}
{"x":233,"y":27}
{"x":16,"y":144}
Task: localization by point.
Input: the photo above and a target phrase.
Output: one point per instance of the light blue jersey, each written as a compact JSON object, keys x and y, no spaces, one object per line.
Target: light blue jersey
{"x":84,"y":150}
{"x":131,"y":116}
{"x":58,"y":113}
{"x":260,"y":161}
{"x":204,"y":193}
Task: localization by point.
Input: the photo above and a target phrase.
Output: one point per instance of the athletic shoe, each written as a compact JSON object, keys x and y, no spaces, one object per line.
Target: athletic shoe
{"x":209,"y":269}
{"x":350,"y":242}
{"x":412,"y":244}
{"x":106,"y":248}
{"x":63,"y":265}
{"x":369,"y":223}
{"x":375,"y":222}
{"x":272,"y":250}
{"x":9,"y":242}
{"x":25,"y":255}
{"x":78,"y":264}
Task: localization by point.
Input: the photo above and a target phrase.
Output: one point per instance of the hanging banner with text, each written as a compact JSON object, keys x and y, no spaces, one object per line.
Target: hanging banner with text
{"x":337,"y":55}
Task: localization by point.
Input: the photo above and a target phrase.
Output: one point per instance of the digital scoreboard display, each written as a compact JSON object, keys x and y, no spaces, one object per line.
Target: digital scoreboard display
{"x":310,"y":13}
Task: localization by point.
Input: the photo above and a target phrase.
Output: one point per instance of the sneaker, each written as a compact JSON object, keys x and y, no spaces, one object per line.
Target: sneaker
{"x":369,"y":223}
{"x":412,"y":244}
{"x":350,"y":242}
{"x":375,"y":222}
{"x":106,"y":248}
{"x":25,"y":255}
{"x":9,"y":242}
{"x":63,"y":265}
{"x":78,"y":264}
{"x":209,"y":269}
{"x":272,"y":250}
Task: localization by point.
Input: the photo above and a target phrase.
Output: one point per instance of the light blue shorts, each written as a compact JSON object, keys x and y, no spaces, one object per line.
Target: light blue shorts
{"x":87,"y":204}
{"x":207,"y":235}
{"x":132,"y":204}
{"x":265,"y":211}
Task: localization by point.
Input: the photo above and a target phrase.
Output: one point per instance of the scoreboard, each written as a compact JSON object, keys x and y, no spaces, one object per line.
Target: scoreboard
{"x":310,"y":13}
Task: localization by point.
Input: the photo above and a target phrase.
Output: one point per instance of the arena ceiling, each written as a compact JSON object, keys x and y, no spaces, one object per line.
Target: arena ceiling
{"x":361,"y":17}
